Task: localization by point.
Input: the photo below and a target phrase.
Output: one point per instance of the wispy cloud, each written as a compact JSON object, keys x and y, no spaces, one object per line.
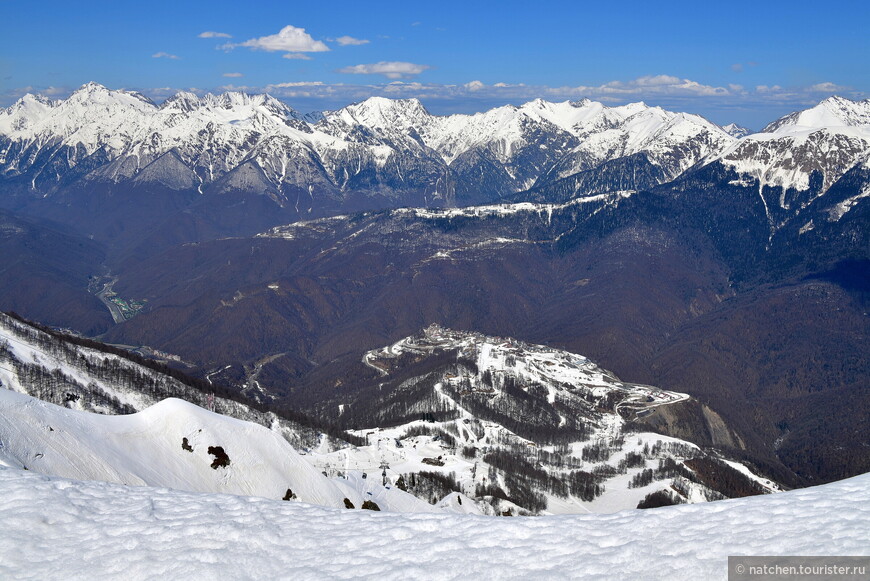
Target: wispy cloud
{"x":390,"y":69}
{"x":213,"y":34}
{"x":165,"y":55}
{"x":296,"y":84}
{"x":297,"y":56}
{"x":653,"y":85}
{"x":740,"y":67}
{"x":827,"y":88}
{"x":761,"y":103}
{"x":290,"y":40}
{"x":351,"y":41}
{"x":233,"y":75}
{"x":13,"y":95}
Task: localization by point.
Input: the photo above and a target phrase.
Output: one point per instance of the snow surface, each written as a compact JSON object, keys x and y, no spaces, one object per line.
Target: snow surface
{"x":55,"y":528}
{"x":839,"y":210}
{"x":171,"y":444}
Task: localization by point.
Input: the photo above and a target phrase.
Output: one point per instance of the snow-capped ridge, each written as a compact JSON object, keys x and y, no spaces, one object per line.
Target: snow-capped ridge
{"x":92,"y":92}
{"x":735,"y":130}
{"x":384,"y":113}
{"x":830,"y":113}
{"x":829,"y":138}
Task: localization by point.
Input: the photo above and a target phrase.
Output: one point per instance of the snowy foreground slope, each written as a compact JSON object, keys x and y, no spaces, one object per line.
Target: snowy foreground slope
{"x":56,"y":528}
{"x":175,"y":444}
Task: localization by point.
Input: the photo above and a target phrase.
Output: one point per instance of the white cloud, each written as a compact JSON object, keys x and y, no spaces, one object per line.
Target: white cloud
{"x":212,"y":34}
{"x":240,"y":89}
{"x":653,"y":85}
{"x":350,"y":41}
{"x":233,"y":75}
{"x":390,"y":69}
{"x":665,"y":89}
{"x":740,"y":67}
{"x":289,"y":39}
{"x":296,"y":84}
{"x":165,"y":55}
{"x":827,"y":88}
{"x":296,"y":56}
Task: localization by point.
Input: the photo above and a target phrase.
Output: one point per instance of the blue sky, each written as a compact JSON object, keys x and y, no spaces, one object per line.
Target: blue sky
{"x":748,"y":62}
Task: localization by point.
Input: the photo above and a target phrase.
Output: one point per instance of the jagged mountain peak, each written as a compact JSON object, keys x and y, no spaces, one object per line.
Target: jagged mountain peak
{"x":93,"y":86}
{"x":385,"y":105}
{"x":91,"y":93}
{"x":30,"y":99}
{"x":184,"y":101}
{"x":830,"y":113}
{"x":828,"y":138}
{"x":735,"y":130}
{"x":383,"y":112}
{"x":20,"y":115}
{"x":632,"y":108}
{"x":236,"y":98}
{"x":244,"y":104}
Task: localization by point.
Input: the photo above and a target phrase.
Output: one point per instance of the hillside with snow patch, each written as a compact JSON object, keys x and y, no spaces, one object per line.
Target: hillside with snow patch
{"x":526,"y":429}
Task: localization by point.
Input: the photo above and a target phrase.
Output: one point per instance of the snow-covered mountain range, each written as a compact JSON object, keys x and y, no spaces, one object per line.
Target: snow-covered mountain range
{"x":257,"y":141}
{"x":505,"y":427}
{"x":91,"y":150}
{"x":190,"y":141}
{"x":238,"y":141}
